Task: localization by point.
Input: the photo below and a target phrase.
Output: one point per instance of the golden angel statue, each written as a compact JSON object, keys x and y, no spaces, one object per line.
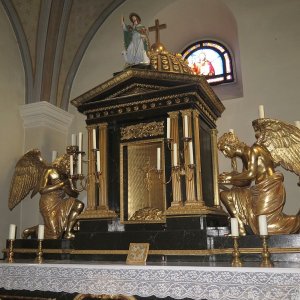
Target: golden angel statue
{"x":58,"y":204}
{"x":258,"y":189}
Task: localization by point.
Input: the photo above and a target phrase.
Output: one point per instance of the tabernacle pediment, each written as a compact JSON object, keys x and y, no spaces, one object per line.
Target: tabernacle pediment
{"x":139,"y":90}
{"x":135,"y":89}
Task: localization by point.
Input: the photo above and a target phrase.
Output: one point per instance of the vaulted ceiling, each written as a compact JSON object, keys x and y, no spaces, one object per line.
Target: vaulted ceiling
{"x":53,"y":36}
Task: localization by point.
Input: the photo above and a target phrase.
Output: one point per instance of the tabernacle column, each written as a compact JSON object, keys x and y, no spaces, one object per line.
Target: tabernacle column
{"x":189,"y":171}
{"x":197,"y":146}
{"x":215,"y":164}
{"x":176,"y":185}
{"x":103,"y":184}
{"x":91,"y":195}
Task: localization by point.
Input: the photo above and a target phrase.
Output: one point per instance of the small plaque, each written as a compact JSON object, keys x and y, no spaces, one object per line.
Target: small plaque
{"x":138,"y":253}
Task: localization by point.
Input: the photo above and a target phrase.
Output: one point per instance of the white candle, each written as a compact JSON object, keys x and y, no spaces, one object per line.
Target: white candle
{"x":158,"y":158}
{"x":175,"y":155}
{"x":80,"y":141}
{"x":41,"y":230}
{"x":231,"y":130}
{"x":94,"y":138}
{"x":297,"y":124}
{"x":71,"y":165}
{"x":168,"y":128}
{"x":79,"y":164}
{"x":191,"y":153}
{"x":261,"y":111}
{"x":234,"y":227}
{"x":12,"y":232}
{"x":54,"y":155}
{"x":263,"y":225}
{"x":186,"y":126}
{"x":73,"y":139}
{"x":98,"y":161}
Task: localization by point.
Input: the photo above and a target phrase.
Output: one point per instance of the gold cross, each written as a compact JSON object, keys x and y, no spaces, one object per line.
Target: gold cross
{"x":157,"y":27}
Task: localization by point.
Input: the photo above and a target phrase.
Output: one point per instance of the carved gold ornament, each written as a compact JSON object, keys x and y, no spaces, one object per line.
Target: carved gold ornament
{"x":142,"y":130}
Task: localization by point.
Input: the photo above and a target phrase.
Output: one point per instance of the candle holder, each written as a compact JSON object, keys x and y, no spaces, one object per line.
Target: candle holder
{"x":236,"y":261}
{"x":186,"y":170}
{"x":169,"y":143}
{"x":80,"y":182}
{"x":39,"y":254}
{"x":159,"y":174}
{"x":186,"y":139}
{"x":10,"y":252}
{"x":266,"y":257}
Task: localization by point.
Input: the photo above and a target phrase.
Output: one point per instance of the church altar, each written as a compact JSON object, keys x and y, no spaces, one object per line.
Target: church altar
{"x":211,"y":281}
{"x":155,"y":127}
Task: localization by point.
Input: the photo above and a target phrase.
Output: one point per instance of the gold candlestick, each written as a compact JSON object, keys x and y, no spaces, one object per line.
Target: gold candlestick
{"x":266,"y":257}
{"x":39,"y":254}
{"x":236,"y":261}
{"x":10,"y":252}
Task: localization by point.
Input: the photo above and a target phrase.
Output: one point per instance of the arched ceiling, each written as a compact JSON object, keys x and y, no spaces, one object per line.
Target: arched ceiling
{"x":53,"y":36}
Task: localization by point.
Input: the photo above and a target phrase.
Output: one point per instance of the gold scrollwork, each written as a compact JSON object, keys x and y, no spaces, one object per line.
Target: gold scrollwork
{"x":148,"y":214}
{"x":142,"y":130}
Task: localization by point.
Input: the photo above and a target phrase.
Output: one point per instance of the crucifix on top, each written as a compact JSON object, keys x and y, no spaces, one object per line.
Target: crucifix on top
{"x":157,"y":46}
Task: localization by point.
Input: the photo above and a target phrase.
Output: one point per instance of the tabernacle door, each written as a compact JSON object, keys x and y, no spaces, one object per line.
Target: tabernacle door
{"x":142,"y":189}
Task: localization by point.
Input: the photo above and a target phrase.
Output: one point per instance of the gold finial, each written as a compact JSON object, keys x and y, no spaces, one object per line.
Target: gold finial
{"x":157,"y":46}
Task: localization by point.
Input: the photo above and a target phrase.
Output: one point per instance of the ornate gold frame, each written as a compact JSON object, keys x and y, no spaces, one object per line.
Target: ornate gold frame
{"x":137,"y":253}
{"x":122,"y":208}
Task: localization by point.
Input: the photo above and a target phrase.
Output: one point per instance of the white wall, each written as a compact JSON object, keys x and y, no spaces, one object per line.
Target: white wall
{"x":11,"y":129}
{"x":46,"y":140}
{"x":103,"y":56}
{"x":268,"y":37}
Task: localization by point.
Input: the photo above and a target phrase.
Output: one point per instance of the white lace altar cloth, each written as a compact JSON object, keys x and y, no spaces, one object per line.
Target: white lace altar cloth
{"x":196,"y":282}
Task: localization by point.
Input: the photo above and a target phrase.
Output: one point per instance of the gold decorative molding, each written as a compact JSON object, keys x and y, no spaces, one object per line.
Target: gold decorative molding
{"x":142,"y":130}
{"x":149,"y":74}
{"x":135,"y":88}
{"x":194,"y":209}
{"x":153,"y":103}
{"x":31,"y":250}
{"x":97,"y":214}
{"x":188,"y":252}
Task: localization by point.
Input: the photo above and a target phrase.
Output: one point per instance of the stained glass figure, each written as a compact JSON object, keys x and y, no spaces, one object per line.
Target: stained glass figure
{"x":210,"y":59}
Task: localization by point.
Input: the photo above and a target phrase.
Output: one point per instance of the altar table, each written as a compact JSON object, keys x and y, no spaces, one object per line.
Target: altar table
{"x":197,"y":281}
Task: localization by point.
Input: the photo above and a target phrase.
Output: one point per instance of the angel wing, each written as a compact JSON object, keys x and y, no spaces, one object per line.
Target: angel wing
{"x":282,"y":141}
{"x":28,"y":172}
